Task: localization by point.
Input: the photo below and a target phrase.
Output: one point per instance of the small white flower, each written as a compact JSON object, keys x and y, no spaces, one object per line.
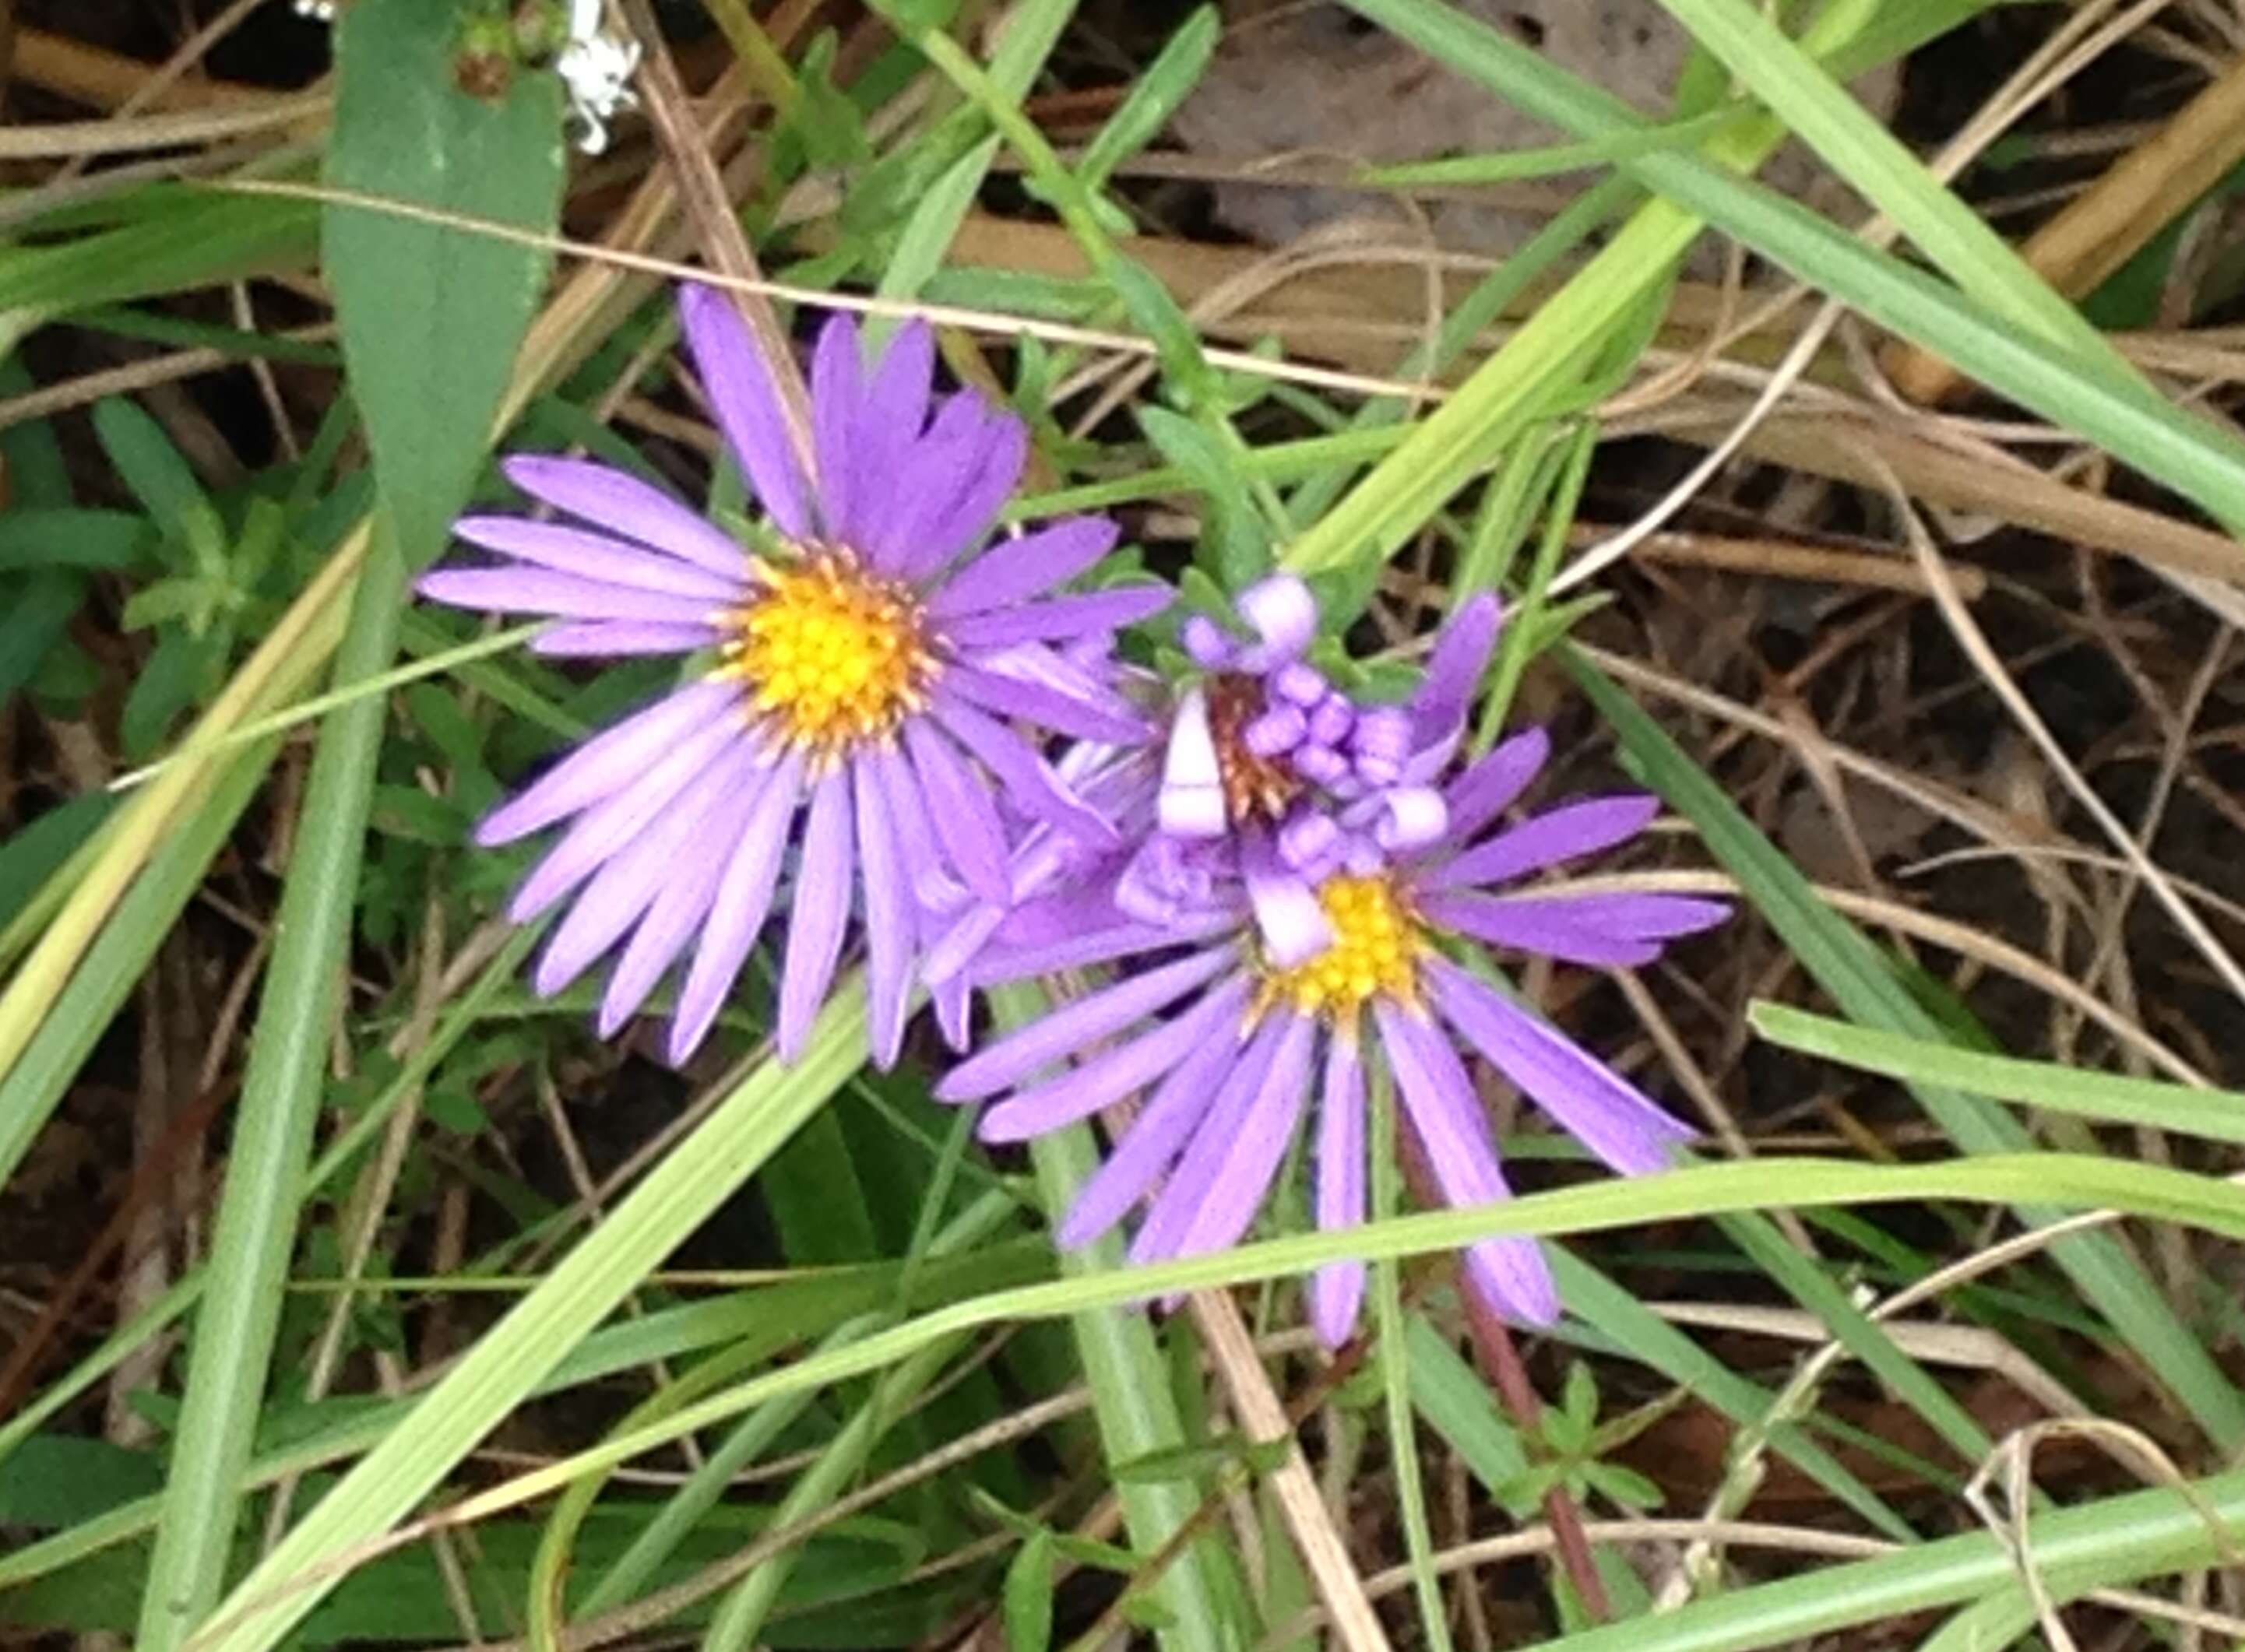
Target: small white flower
{"x":596,"y":68}
{"x":317,"y":11}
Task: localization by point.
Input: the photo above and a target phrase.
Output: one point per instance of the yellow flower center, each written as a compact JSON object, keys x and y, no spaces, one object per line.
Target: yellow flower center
{"x":1376,"y":949}
{"x":834,"y":655}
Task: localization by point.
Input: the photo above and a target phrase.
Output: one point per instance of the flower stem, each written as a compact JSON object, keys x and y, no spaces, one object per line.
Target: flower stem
{"x":1499,"y":1359}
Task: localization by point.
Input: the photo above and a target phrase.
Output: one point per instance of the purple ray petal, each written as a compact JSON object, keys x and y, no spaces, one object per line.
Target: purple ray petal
{"x":621,"y":503}
{"x":1439,"y":1101}
{"x":1028,"y":778}
{"x":629,"y":880}
{"x":1251,"y":1158}
{"x":737,"y":916}
{"x":888,"y":919}
{"x":1001,"y":964}
{"x":1539,"y":927}
{"x":837,"y":394}
{"x":597,"y":557}
{"x":1152,"y":1142}
{"x":562,"y":595}
{"x":1072,"y":1027}
{"x":608,"y":825}
{"x":1602,"y":930}
{"x":609,"y":761}
{"x":1593,"y":1103}
{"x":1337,"y":1291}
{"x":1035,"y":703}
{"x":1563,"y":834}
{"x":965,"y":821}
{"x":924,"y":474}
{"x":1081,"y":672}
{"x":1112,"y":1074}
{"x":1494,"y":783}
{"x":824,"y":885}
{"x":1059,"y":618}
{"x":967,"y":519}
{"x":891,"y":413}
{"x":613,"y":639}
{"x":747,"y":405}
{"x":1454,"y":670}
{"x":953,"y":1003}
{"x":1015,"y":570}
{"x":911,"y":823}
{"x":688,"y":887}
{"x":897,"y":397}
{"x":1201,"y":1161}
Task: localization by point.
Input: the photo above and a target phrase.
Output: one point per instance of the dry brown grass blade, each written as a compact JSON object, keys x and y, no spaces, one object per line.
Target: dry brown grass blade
{"x":2108,"y":223}
{"x":1365,"y":317}
{"x":104,"y":79}
{"x":1264,"y":1420}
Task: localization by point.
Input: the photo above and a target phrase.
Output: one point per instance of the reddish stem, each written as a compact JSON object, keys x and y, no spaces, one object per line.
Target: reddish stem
{"x":1499,"y":1359}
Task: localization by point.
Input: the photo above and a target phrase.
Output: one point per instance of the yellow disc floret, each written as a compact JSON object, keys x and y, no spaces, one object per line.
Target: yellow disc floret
{"x":836,"y":658}
{"x":1376,"y":949}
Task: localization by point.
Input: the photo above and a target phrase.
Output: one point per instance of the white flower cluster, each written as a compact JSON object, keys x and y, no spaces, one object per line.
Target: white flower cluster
{"x":596,"y":67}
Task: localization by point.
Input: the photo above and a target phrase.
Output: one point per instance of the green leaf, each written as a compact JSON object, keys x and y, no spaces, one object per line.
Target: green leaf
{"x":65,"y":537}
{"x":1168,"y":81}
{"x":1029,"y":1596}
{"x":1836,"y":954}
{"x":1623,"y":1486}
{"x":55,"y":1481}
{"x":1237,"y":550}
{"x":431,"y":315}
{"x":1457,"y":1404}
{"x":33,"y":611}
{"x":2216,"y":1115}
{"x":150,"y":466}
{"x":27,"y":857}
{"x":194,"y":239}
{"x":512,"y":1359}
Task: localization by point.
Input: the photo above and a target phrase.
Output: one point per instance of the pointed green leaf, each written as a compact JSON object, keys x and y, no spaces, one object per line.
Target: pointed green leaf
{"x":431,"y":314}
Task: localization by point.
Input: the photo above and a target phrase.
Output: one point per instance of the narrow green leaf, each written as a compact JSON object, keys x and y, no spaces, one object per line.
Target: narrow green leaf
{"x":196,"y":239}
{"x":1167,"y":82}
{"x":512,"y":1359}
{"x":2215,"y":1115}
{"x":1028,"y":1596}
{"x":1845,"y":964}
{"x":431,"y":316}
{"x":67,"y":537}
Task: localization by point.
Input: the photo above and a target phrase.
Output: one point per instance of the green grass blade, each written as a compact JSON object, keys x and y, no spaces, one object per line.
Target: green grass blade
{"x":1846,"y":965}
{"x":2072,"y":383}
{"x":2213,"y":1115}
{"x":271,"y":1598}
{"x":78,"y":1018}
{"x":507,"y":1364}
{"x":235,"y":1328}
{"x":1135,"y":1410}
{"x":2115,"y":1540}
{"x":1822,"y":113}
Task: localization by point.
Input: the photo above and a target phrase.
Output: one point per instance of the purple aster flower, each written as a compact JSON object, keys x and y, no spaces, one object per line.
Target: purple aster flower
{"x":835,"y":754}
{"x":1269,"y":973}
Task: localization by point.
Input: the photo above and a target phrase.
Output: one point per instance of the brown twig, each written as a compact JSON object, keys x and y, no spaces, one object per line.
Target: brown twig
{"x":723,"y":242}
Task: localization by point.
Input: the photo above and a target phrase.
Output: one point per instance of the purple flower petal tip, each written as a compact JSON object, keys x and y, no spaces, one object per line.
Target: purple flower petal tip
{"x":1283,"y":615}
